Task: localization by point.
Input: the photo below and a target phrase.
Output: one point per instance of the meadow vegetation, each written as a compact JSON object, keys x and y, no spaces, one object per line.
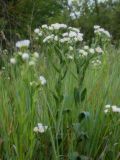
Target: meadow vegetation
{"x":60,"y":97}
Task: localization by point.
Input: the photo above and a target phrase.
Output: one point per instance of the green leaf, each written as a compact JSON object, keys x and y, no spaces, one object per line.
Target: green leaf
{"x":79,"y":95}
{"x":83,"y":94}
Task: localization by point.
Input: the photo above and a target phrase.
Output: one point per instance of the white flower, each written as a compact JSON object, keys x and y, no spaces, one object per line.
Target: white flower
{"x":50,"y":28}
{"x":36,"y":129}
{"x":86,"y":47}
{"x":96,"y":27}
{"x":91,"y":50}
{"x":106,"y":110}
{"x":83,"y":53}
{"x":42,"y":80}
{"x":36,"y":54}
{"x":58,"y":26}
{"x":107,"y":33}
{"x":80,"y":37}
{"x":63,"y":25}
{"x":65,"y":34}
{"x":45,"y":26}
{"x":12,"y":60}
{"x":99,"y":50}
{"x":48,"y":38}
{"x":70,"y":56}
{"x":40,"y":128}
{"x":72,"y":34}
{"x":25,"y":56}
{"x":23,"y":43}
{"x":65,"y":39}
{"x":75,"y":15}
{"x":96,"y":62}
{"x":115,"y":109}
{"x":100,"y":31}
{"x":37,"y":30}
{"x":56,"y":38}
{"x":74,"y":29}
{"x":40,"y":34}
{"x":107,"y":106}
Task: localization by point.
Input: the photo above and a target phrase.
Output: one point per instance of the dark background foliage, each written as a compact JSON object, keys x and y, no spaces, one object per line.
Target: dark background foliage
{"x":19,"y":17}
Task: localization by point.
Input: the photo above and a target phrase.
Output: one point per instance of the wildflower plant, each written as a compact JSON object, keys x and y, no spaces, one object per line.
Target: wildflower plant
{"x":66,"y":44}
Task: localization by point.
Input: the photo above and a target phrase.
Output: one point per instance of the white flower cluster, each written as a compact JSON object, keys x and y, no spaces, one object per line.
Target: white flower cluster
{"x":38,"y":32}
{"x":101,"y":31}
{"x":40,"y":128}
{"x":55,"y":26}
{"x":99,"y":50}
{"x":83,"y":53}
{"x":89,"y":51}
{"x":96,"y":62}
{"x":74,"y":8}
{"x":13,"y":60}
{"x":49,"y":38}
{"x":75,"y":15}
{"x":25,"y":56}
{"x":33,"y":59}
{"x":72,"y":35}
{"x":70,"y":57}
{"x":23,"y":43}
{"x":42,"y":80}
{"x":113,"y":108}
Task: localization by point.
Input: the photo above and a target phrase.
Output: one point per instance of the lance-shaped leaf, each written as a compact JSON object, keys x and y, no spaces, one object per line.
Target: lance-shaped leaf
{"x":83,"y":94}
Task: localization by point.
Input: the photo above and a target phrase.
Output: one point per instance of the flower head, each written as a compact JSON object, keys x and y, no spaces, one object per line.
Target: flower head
{"x":36,"y":54}
{"x":99,"y":50}
{"x":37,"y":30}
{"x":12,"y":60}
{"x":96,"y":27}
{"x":86,"y":47}
{"x":42,"y":80}
{"x":40,"y":128}
{"x":113,"y":108}
{"x":23,"y":43}
{"x":44,"y":26}
{"x":91,"y":50}
{"x":25,"y":56}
